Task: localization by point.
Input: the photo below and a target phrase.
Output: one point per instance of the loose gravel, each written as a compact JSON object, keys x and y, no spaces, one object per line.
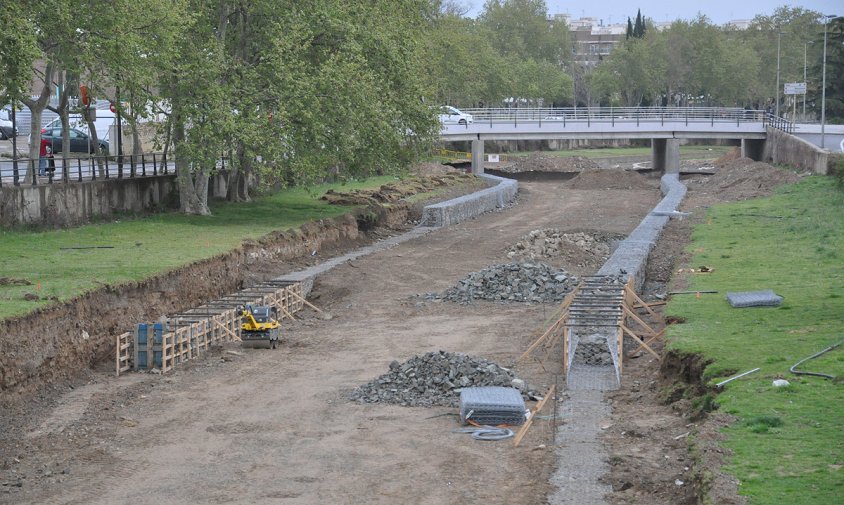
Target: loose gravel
{"x":512,"y":282}
{"x":434,"y":378}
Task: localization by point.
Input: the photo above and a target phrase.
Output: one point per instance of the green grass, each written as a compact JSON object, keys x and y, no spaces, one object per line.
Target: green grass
{"x":788,"y":444}
{"x":145,"y":246}
{"x":702,"y":152}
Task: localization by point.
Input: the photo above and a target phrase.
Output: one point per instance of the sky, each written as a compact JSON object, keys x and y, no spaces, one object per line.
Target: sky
{"x":719,"y":11}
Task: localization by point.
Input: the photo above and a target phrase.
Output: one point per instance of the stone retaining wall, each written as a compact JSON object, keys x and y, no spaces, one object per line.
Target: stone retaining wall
{"x":466,"y":207}
{"x":631,"y":256}
{"x":60,"y":204}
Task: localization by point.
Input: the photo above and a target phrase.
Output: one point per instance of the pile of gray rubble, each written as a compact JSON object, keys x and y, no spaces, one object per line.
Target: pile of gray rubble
{"x":511,"y":282}
{"x":434,"y":378}
{"x":552,"y":243}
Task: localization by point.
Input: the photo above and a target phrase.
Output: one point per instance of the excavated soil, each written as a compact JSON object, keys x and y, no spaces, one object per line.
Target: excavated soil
{"x":260,"y":426}
{"x":538,"y":162}
{"x":612,"y":179}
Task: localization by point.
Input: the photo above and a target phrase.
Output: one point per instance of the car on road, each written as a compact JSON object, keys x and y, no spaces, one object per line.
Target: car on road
{"x":450,"y":115}
{"x":6,"y":130}
{"x":80,"y":142}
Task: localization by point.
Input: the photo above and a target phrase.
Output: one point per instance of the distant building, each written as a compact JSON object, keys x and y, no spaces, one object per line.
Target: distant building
{"x":593,"y":40}
{"x":738,"y":24}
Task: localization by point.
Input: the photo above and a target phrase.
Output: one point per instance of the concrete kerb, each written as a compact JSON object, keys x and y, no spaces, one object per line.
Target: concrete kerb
{"x":441,"y":214}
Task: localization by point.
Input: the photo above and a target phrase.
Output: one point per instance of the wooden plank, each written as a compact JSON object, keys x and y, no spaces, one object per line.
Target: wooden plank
{"x":526,"y":426}
{"x":641,"y":342}
{"x":636,"y":318}
{"x":309,"y":304}
{"x":545,"y":335}
{"x":640,"y":302}
{"x":648,"y":341}
{"x":232,"y":335}
{"x":117,"y":357}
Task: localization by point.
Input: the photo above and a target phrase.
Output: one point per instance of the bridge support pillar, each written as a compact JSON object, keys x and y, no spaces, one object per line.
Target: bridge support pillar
{"x":665,"y":154}
{"x":477,"y":156}
{"x":753,"y":149}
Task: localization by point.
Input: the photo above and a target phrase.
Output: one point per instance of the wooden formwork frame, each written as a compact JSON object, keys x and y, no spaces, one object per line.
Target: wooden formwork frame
{"x":193,"y":333}
{"x":123,"y":353}
{"x":552,"y":334}
{"x":647,"y":335}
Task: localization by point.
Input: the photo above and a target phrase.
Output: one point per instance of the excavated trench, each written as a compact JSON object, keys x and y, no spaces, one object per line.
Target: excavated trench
{"x":61,"y":342}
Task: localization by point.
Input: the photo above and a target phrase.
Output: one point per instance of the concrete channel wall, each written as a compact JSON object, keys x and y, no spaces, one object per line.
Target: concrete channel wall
{"x":466,"y":207}
{"x":782,"y":148}
{"x":631,"y":256}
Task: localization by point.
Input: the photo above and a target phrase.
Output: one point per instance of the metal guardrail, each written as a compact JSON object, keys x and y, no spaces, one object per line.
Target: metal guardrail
{"x":68,"y":170}
{"x":713,"y":114}
{"x":779,"y":123}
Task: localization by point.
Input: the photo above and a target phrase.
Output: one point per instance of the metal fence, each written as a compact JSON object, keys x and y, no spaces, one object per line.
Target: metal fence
{"x":90,"y":168}
{"x":697,"y":114}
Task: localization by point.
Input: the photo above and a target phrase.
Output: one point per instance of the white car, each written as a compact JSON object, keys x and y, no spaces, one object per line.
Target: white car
{"x":6,"y":125}
{"x":450,"y":115}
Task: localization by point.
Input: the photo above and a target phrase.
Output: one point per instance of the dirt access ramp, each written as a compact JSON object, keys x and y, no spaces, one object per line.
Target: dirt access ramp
{"x":277,"y":427}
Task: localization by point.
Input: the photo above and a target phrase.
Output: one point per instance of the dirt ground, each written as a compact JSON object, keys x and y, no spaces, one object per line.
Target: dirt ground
{"x":261,"y":426}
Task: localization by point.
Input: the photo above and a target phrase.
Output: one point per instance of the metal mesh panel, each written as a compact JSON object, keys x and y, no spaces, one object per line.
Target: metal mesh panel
{"x":593,"y":323}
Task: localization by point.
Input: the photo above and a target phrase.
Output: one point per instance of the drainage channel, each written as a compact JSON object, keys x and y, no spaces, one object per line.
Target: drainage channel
{"x":582,"y":458}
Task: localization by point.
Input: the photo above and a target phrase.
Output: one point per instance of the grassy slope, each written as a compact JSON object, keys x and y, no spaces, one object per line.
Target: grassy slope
{"x":166,"y":241}
{"x":788,"y":444}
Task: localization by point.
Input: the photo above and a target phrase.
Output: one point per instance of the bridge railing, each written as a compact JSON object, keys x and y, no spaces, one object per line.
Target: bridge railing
{"x":612,"y":114}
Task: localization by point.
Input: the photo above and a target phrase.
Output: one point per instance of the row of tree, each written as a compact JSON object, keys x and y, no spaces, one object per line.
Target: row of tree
{"x":294,"y":89}
{"x":288,"y":89}
{"x":699,"y":63}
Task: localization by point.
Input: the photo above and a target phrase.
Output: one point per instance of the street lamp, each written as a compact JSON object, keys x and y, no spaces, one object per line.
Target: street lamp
{"x":826,"y":20}
{"x":805,"y":47}
{"x":779,"y":38}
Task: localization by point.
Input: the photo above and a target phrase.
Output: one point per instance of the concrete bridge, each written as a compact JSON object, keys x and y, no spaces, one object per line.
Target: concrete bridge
{"x":664,"y":126}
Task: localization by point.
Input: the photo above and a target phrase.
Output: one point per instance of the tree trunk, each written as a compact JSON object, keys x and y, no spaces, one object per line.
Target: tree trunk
{"x":36,"y":108}
{"x":95,"y":140}
{"x":238,"y":184}
{"x":193,"y":185}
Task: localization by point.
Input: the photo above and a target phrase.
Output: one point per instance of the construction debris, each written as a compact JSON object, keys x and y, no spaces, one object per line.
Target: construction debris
{"x":585,"y":249}
{"x":395,"y":191}
{"x":511,"y":282}
{"x":435,"y":378}
{"x":539,"y":162}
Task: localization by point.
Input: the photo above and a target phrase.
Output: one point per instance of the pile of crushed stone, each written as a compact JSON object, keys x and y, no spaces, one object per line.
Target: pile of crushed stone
{"x":512,"y":282}
{"x":583,"y":249}
{"x":434,"y":378}
{"x":611,"y":179}
{"x":538,"y":162}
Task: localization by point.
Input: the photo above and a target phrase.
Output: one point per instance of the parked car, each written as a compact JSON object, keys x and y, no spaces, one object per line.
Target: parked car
{"x":104,"y":121}
{"x":451,"y":115}
{"x":79,"y":142}
{"x":6,"y":125}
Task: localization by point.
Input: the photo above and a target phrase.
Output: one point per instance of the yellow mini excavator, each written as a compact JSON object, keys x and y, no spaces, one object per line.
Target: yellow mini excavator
{"x":259,"y":327}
